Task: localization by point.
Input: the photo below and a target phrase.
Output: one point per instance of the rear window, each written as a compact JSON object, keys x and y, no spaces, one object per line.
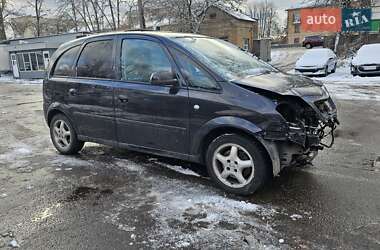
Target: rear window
{"x":65,"y":64}
{"x":96,"y":60}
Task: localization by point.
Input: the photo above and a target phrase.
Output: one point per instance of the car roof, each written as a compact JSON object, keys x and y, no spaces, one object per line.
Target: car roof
{"x":373,"y":46}
{"x":163,"y":34}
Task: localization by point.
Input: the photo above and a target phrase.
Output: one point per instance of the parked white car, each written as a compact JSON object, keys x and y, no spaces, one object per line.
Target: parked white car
{"x":367,"y":61}
{"x":317,"y":62}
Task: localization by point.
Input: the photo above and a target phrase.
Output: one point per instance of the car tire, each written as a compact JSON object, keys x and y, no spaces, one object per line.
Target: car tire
{"x":228,"y":161}
{"x":308,"y":46}
{"x":334,"y":69}
{"x":64,"y":136}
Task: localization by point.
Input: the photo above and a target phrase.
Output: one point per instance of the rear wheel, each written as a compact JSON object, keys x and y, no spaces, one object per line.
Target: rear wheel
{"x":237,"y":164}
{"x":308,"y":46}
{"x":63,"y":135}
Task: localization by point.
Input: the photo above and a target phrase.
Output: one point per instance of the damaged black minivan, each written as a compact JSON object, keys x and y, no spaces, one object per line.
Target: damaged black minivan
{"x":189,"y":97}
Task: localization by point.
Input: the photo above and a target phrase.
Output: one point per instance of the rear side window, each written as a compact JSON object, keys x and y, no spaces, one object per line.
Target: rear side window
{"x":64,"y":65}
{"x":96,"y":60}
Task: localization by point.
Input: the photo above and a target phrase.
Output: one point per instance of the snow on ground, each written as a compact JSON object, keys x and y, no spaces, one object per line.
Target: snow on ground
{"x":208,"y":216}
{"x":342,"y":85}
{"x":190,"y":214}
{"x":10,"y":79}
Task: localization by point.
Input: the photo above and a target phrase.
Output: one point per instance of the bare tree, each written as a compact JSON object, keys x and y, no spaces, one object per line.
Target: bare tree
{"x":266,"y":14}
{"x":37,"y":8}
{"x":141,"y":14}
{"x":3,"y":4}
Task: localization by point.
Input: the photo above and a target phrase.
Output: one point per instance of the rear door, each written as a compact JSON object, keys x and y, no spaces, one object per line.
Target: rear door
{"x":147,"y":115}
{"x":94,"y":114}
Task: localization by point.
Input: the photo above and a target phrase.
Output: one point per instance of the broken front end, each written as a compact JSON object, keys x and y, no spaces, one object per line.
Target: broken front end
{"x":310,"y":122}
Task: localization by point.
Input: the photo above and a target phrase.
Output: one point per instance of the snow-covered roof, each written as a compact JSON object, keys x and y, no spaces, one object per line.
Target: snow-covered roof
{"x":308,"y":4}
{"x":238,"y":14}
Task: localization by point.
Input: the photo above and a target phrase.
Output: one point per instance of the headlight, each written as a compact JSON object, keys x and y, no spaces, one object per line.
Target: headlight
{"x":325,"y":90}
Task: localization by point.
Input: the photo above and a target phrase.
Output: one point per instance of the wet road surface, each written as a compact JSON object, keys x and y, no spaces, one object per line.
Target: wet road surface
{"x":106,"y":198}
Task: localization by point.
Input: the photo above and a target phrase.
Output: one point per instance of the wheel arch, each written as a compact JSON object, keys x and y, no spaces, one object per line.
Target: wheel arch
{"x":56,"y":109}
{"x":239,"y":126}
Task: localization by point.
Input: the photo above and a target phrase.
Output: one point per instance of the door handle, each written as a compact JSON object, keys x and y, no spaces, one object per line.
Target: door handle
{"x":123,"y":99}
{"x":73,"y":92}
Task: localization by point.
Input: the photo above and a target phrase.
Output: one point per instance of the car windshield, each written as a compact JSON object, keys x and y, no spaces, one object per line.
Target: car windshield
{"x":226,"y":59}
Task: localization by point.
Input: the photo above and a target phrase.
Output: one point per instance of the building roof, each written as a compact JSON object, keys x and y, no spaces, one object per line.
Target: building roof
{"x":235,"y":13}
{"x":47,"y":36}
{"x":309,"y":4}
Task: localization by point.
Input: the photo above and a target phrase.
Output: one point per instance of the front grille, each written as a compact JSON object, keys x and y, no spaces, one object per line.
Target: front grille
{"x":313,"y":70}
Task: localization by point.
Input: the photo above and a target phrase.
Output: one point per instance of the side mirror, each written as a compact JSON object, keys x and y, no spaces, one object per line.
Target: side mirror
{"x":164,"y":78}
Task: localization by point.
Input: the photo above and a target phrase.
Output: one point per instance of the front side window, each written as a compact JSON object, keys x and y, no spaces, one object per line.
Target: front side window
{"x":64,"y":65}
{"x":194,"y":75}
{"x":224,"y":58}
{"x":141,"y":58}
{"x":96,"y":60}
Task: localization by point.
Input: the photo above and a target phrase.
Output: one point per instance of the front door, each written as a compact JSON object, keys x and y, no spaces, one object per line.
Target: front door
{"x":147,"y":115}
{"x":15,"y":71}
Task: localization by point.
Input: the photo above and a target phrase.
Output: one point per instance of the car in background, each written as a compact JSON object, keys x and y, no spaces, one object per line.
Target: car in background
{"x":317,"y":62}
{"x":367,"y":61}
{"x":312,"y":41}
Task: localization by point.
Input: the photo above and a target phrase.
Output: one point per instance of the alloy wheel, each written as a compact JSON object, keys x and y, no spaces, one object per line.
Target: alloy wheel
{"x":62,"y":134}
{"x":233,"y":165}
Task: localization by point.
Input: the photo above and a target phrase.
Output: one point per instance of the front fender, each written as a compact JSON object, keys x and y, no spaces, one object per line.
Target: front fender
{"x":236,"y":123}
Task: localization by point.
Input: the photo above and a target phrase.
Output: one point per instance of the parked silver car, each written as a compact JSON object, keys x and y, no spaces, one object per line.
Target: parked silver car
{"x":367,"y":61}
{"x":317,"y":62}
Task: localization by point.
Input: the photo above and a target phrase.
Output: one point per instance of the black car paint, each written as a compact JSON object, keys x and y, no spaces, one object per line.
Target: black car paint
{"x":161,"y":119}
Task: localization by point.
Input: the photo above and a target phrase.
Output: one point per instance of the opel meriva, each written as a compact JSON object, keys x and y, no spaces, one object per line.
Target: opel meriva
{"x":189,"y":97}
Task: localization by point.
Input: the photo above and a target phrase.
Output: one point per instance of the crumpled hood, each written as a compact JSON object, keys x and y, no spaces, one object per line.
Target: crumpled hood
{"x":284,"y":84}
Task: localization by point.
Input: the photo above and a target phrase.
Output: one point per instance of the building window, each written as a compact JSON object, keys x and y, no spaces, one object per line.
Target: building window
{"x":296,"y":40}
{"x":30,"y":61}
{"x":297,"y":28}
{"x":296,"y":17}
{"x":212,"y":15}
{"x":245,"y":44}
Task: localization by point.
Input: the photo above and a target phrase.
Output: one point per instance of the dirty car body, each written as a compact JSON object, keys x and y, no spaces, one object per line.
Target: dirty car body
{"x":224,"y":91}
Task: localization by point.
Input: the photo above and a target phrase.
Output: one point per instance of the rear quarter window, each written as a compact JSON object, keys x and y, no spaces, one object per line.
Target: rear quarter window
{"x":96,"y":60}
{"x":65,"y":63}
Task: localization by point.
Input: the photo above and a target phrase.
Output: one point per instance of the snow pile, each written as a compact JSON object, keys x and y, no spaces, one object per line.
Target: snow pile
{"x":18,"y":151}
{"x":10,"y":79}
{"x":175,"y":168}
{"x":62,"y":160}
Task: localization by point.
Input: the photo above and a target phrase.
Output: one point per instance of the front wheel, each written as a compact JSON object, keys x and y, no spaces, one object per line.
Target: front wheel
{"x":63,"y":136}
{"x":237,"y":164}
